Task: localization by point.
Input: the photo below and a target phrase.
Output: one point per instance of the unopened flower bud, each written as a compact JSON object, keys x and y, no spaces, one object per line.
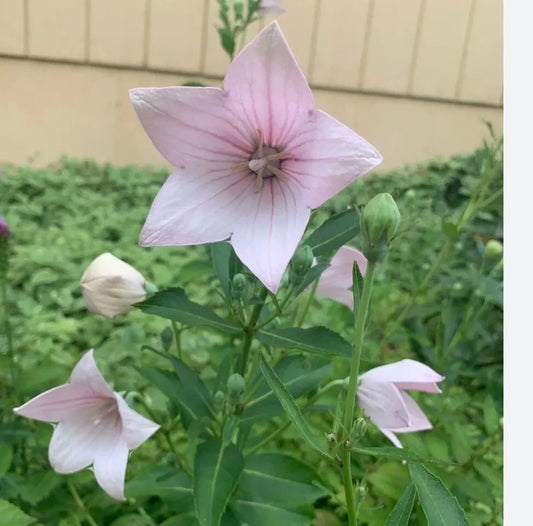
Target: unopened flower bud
{"x":110,"y":286}
{"x":302,"y":261}
{"x":331,"y":438}
{"x":410,"y":194}
{"x":359,"y":429}
{"x":493,"y":249}
{"x":235,"y":387}
{"x":379,"y":223}
{"x":150,"y":289}
{"x":360,"y":492}
{"x":457,"y":286}
{"x":239,"y":284}
{"x":219,"y":400}
{"x":167,"y":337}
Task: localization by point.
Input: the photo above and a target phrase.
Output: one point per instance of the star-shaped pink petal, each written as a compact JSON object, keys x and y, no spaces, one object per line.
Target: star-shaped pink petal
{"x":252,"y":159}
{"x":382,"y":397}
{"x":95,"y":426}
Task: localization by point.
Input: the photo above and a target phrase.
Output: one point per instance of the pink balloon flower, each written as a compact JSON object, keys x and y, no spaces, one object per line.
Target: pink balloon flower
{"x":336,"y":281}
{"x":270,"y":7}
{"x":94,"y":426}
{"x":381,"y":394}
{"x":252,"y":159}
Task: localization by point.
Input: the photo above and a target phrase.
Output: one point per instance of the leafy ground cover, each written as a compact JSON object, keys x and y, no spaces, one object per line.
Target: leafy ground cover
{"x":64,"y":216}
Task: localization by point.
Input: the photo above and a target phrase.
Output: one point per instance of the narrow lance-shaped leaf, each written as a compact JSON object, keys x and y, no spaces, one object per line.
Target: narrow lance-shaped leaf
{"x":357,"y":286}
{"x":334,"y":232}
{"x":401,"y":513}
{"x":290,"y":407}
{"x":395,"y":453}
{"x":173,"y":304}
{"x":216,"y":472}
{"x":318,"y":340}
{"x":439,"y":505}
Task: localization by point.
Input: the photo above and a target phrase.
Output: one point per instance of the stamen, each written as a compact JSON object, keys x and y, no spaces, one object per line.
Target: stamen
{"x":278,"y":173}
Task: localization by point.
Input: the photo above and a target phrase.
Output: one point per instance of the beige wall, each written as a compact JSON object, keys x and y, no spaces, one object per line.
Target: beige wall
{"x":415,"y":77}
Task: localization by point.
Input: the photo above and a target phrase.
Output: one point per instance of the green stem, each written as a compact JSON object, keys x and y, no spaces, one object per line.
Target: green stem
{"x":177,"y":337}
{"x":249,"y":331}
{"x":305,"y":310}
{"x":349,"y":411}
{"x":80,"y":504}
{"x":280,"y":307}
{"x":9,"y":336}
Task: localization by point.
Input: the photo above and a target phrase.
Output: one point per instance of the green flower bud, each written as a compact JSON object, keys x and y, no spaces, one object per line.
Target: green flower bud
{"x":359,"y":429}
{"x":457,"y":286}
{"x":493,"y":249}
{"x":167,"y":338}
{"x":302,"y":260}
{"x":239,"y":285}
{"x":410,"y":194}
{"x":235,"y":387}
{"x":150,"y":288}
{"x":379,"y":223}
{"x":219,"y":400}
{"x":360,"y":492}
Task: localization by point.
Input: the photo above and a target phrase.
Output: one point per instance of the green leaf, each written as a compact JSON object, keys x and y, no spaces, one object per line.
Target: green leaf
{"x":450,"y":230}
{"x":357,"y":286}
{"x":396,"y":453}
{"x":192,"y":408}
{"x":290,"y":407}
{"x":491,"y":417}
{"x":132,"y":519}
{"x":226,"y":265}
{"x":299,"y":374}
{"x":216,"y":472}
{"x":439,"y":505}
{"x":10,"y":515}
{"x":6,"y":456}
{"x":173,"y":304}
{"x":334,"y":232}
{"x":279,"y":480}
{"x":319,"y":340}
{"x":402,"y":511}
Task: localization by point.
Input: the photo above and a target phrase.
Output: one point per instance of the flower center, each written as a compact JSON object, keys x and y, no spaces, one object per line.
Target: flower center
{"x":266,"y":162}
{"x":107,"y":412}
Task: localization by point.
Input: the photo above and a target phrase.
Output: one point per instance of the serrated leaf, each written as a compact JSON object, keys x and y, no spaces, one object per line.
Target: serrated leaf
{"x":396,"y":453}
{"x":216,"y":472}
{"x":11,"y":515}
{"x":440,"y":506}
{"x":402,"y":511}
{"x":173,"y":304}
{"x":334,"y":232}
{"x":290,"y":407}
{"x":318,"y":340}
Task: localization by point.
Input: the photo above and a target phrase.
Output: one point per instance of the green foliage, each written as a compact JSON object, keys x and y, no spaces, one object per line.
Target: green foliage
{"x":64,"y":216}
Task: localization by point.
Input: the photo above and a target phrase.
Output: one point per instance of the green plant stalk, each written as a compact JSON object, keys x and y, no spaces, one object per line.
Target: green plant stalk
{"x":80,"y":503}
{"x":9,"y":335}
{"x":301,"y":317}
{"x":349,"y":410}
{"x":177,"y":337}
{"x":249,"y":331}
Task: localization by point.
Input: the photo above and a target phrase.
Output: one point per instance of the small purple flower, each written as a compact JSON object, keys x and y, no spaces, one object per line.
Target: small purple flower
{"x":4,"y":229}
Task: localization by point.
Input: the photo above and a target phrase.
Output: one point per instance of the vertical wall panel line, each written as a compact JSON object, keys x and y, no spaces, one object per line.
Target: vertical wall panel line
{"x":147,"y":17}
{"x":26,"y":28}
{"x":366,"y":43}
{"x":314,"y":39}
{"x":468,"y":34}
{"x":203,"y":53}
{"x":87,"y":34}
{"x":416,"y":45}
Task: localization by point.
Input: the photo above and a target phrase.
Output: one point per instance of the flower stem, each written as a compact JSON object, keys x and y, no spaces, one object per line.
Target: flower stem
{"x":305,"y":310}
{"x":349,"y":411}
{"x":80,"y":504}
{"x":249,"y":331}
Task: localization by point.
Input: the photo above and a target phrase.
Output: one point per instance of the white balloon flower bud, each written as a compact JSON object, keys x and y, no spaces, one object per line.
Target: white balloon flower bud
{"x":110,"y":286}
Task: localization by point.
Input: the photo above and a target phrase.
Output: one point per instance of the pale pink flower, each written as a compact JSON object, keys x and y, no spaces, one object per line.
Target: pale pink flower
{"x":94,"y":427}
{"x":381,"y":394}
{"x":251,"y":159}
{"x":111,"y":286}
{"x":336,"y":281}
{"x":270,"y":7}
